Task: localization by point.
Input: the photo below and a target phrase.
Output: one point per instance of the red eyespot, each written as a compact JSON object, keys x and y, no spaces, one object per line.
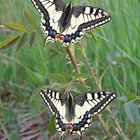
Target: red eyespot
{"x":59,"y":37}
{"x":69,"y":127}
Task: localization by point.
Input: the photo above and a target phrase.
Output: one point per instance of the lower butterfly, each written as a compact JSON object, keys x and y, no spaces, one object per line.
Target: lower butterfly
{"x":73,"y":114}
{"x":67,"y":23}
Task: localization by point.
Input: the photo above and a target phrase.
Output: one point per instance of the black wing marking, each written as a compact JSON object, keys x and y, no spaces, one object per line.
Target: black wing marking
{"x":94,"y":102}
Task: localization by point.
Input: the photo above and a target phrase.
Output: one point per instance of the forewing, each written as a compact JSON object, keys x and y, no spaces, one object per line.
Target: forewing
{"x":94,"y":102}
{"x":51,"y":11}
{"x":89,"y":17}
{"x":53,"y":99}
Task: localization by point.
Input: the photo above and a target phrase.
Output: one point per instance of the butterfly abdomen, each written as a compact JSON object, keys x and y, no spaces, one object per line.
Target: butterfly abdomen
{"x":70,"y":112}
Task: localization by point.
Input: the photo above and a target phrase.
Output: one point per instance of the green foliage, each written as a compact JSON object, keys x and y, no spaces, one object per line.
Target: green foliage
{"x":51,"y":125}
{"x":8,"y":42}
{"x":113,"y":51}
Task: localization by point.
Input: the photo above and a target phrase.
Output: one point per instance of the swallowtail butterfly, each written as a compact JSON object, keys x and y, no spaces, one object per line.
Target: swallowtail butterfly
{"x":73,"y":115}
{"x":66,"y":22}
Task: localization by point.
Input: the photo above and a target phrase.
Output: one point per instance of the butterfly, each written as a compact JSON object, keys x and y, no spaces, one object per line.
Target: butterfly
{"x":73,"y":114}
{"x":67,"y":23}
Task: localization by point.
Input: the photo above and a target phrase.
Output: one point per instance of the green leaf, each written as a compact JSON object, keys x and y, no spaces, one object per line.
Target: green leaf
{"x":51,"y":125}
{"x":15,"y":26}
{"x":130,"y":96}
{"x":30,"y":18}
{"x":60,"y":77}
{"x":32,"y":38}
{"x":9,"y":42}
{"x":22,"y":40}
{"x":132,"y":112}
{"x":80,"y":87}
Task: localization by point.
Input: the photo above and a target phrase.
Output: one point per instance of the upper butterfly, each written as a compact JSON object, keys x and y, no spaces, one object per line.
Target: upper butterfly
{"x":73,"y":115}
{"x":66,"y":23}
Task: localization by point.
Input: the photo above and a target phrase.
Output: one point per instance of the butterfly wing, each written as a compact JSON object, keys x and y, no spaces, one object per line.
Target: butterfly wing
{"x":51,"y":11}
{"x":56,"y":103}
{"x":84,"y":18}
{"x":89,"y":17}
{"x":94,"y":102}
{"x":54,"y":100}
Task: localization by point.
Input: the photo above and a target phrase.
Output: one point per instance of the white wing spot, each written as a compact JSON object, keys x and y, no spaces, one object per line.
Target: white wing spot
{"x":87,"y":10}
{"x":57,"y":95}
{"x":78,"y":132}
{"x":95,"y":95}
{"x":86,"y":125}
{"x":82,"y":129}
{"x":53,"y":94}
{"x":89,"y":96}
{"x":59,"y":129}
{"x":88,"y":121}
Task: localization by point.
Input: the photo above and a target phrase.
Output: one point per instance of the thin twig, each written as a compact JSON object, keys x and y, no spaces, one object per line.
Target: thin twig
{"x":91,"y":69}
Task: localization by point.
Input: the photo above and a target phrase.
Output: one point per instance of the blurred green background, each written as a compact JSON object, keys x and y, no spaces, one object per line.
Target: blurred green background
{"x":113,"y":53}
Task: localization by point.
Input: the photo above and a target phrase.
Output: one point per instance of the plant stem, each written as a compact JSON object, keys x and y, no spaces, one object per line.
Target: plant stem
{"x":106,"y":131}
{"x":75,"y":65}
{"x":91,"y":69}
{"x":121,"y":133}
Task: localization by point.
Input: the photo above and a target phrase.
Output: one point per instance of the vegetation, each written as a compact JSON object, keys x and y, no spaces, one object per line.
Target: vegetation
{"x":108,"y":58}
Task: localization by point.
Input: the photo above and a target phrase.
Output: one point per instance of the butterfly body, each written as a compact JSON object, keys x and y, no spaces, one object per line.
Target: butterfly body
{"x":73,"y":115}
{"x":64,"y":21}
{"x":67,"y":23}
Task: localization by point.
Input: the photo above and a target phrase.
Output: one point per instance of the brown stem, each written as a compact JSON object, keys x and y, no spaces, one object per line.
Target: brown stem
{"x":72,"y":58}
{"x":75,"y":65}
